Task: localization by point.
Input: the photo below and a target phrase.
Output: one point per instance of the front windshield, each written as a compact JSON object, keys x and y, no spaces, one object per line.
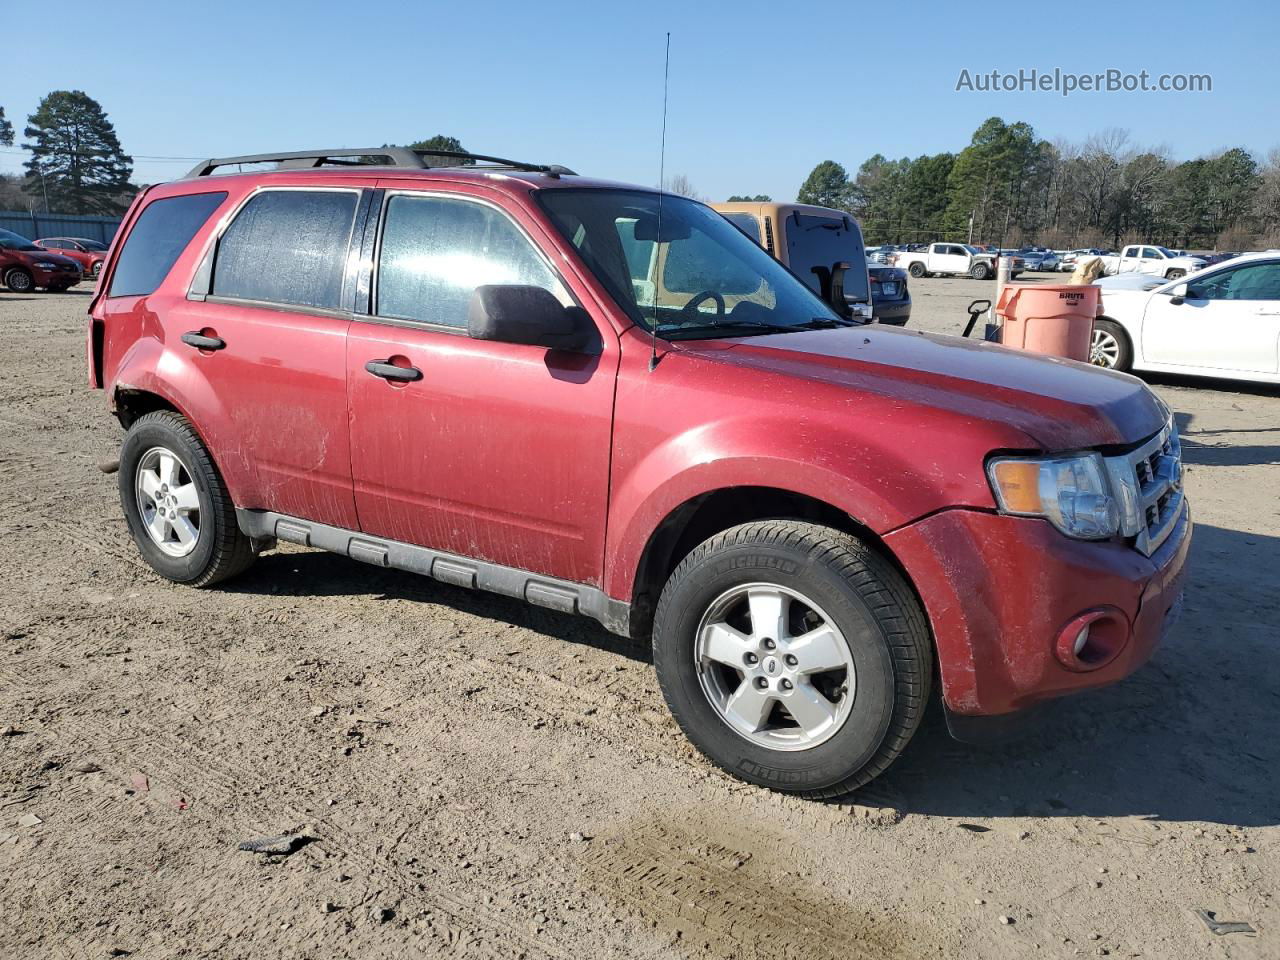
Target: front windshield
{"x":971,"y":249}
{"x":17,"y":243}
{"x":1167,"y":252}
{"x":695,"y":276}
{"x":92,"y":245}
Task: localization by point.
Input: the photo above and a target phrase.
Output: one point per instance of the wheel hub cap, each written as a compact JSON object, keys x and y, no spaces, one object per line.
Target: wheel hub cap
{"x":774,"y":667}
{"x":167,"y":502}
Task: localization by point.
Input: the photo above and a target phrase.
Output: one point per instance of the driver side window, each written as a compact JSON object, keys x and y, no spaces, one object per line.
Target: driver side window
{"x":1257,"y":281}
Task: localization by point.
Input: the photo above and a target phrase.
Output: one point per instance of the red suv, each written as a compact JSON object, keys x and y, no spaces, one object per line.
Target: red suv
{"x":88,"y":253}
{"x":607,"y":400}
{"x":24,"y":266}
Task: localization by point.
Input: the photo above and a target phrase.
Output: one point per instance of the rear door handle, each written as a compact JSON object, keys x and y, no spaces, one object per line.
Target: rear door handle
{"x":389,"y":371}
{"x":198,"y":340}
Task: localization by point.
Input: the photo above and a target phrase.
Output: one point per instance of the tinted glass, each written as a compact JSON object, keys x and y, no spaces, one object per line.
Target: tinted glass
{"x":746,"y":223}
{"x":823,"y":241}
{"x":52,"y":244}
{"x":1259,"y":281}
{"x":287,"y":246}
{"x":157,"y":239}
{"x":436,"y":251}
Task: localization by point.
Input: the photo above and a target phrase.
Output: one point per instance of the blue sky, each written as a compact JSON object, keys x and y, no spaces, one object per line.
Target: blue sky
{"x":580,"y":84}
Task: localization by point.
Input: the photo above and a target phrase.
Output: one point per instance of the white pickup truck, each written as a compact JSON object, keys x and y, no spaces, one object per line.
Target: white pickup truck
{"x":952,"y":258}
{"x":1157,"y":261}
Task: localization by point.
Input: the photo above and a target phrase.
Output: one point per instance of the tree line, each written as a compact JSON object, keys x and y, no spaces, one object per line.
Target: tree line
{"x":1010,"y":187}
{"x":76,"y":165}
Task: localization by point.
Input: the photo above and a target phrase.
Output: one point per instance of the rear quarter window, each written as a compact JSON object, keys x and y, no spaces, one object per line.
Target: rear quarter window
{"x":157,"y":239}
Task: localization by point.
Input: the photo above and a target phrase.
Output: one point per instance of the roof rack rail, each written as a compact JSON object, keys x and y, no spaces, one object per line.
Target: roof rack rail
{"x":351,"y":157}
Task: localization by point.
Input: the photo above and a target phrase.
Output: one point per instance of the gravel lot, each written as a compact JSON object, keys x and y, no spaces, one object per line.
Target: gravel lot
{"x":486,"y":779}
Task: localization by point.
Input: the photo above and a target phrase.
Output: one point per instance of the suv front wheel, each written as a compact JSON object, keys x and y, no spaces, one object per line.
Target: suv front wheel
{"x":793,"y":656}
{"x":176,"y":504}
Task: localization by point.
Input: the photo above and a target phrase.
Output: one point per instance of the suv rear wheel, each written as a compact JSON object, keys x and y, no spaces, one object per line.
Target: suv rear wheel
{"x":176,"y":505}
{"x":793,"y":656}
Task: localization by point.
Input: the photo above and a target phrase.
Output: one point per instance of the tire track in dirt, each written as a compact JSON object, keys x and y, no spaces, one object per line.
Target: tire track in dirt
{"x":713,"y":893}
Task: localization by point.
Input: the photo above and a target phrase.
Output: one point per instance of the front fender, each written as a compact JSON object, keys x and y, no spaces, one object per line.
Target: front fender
{"x":878,"y":484}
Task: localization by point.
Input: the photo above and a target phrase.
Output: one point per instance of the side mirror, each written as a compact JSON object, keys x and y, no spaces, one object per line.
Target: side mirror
{"x":515,"y":313}
{"x":1178,"y":294}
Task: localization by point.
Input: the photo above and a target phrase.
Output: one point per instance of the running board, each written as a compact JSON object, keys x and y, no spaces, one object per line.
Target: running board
{"x":542,"y":591}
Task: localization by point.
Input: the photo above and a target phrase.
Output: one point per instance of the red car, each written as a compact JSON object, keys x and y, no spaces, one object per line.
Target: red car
{"x":24,"y":266}
{"x":88,"y":253}
{"x":608,"y":400}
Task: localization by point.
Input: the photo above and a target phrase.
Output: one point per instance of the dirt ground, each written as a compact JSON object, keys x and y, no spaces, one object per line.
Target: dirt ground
{"x":479,"y":778}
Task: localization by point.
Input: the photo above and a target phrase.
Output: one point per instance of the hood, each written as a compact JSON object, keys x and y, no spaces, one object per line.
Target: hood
{"x":1060,"y":405}
{"x":49,"y":256}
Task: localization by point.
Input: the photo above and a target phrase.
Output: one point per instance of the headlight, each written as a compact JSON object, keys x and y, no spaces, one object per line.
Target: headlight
{"x":1070,"y":492}
{"x":45,"y":265}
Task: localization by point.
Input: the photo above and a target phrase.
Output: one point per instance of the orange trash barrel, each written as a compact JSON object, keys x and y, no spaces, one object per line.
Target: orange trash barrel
{"x":1055,"y":319}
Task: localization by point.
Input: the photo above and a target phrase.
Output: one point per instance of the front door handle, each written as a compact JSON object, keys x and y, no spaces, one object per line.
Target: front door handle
{"x":389,"y":371}
{"x":194,"y":338}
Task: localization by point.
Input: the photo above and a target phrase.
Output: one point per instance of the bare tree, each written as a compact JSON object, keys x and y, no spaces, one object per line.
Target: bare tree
{"x":680,"y":184}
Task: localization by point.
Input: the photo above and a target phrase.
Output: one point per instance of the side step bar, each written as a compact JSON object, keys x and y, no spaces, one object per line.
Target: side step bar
{"x":542,"y":591}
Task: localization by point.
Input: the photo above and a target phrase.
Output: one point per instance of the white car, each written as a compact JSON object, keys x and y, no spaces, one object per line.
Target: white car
{"x":1219,"y":322}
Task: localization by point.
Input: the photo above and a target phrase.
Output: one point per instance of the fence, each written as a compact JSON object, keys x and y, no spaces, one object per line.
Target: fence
{"x":34,"y":225}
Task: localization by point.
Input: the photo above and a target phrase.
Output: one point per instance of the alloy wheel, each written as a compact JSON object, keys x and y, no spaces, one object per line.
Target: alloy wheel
{"x":167,"y":501}
{"x":1105,"y":349}
{"x":774,"y":666}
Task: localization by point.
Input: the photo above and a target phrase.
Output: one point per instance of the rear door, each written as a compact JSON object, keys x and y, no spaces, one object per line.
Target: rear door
{"x":273,"y":292}
{"x":493,"y":451}
{"x":949,"y":258}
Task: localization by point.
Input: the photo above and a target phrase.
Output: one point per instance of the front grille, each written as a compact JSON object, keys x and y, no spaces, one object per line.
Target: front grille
{"x":1148,"y":483}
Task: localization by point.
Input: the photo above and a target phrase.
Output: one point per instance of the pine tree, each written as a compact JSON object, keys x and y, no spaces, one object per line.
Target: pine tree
{"x":827,"y":186}
{"x":6,"y":131}
{"x":441,"y":142}
{"x":76,"y":160}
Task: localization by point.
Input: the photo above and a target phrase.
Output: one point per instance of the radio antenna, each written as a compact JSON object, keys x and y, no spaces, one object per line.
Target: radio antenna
{"x":662,"y":186}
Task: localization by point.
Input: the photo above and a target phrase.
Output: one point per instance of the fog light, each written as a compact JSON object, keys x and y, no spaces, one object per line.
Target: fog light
{"x":1092,"y":639}
{"x":1081,"y":639}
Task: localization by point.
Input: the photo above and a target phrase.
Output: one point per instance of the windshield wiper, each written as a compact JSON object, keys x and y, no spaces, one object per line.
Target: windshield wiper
{"x":825,"y":323}
{"x":729,"y":325}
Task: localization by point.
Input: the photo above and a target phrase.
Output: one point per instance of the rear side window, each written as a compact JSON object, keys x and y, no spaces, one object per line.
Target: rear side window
{"x":289,"y":247}
{"x":161,"y":233}
{"x":435,"y":252}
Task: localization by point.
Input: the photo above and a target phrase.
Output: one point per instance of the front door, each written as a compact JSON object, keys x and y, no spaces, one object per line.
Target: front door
{"x":492,"y":451}
{"x":1229,"y":320}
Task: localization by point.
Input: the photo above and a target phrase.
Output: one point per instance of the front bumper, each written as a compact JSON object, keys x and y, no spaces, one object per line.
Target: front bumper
{"x":1000,"y":590}
{"x":55,"y":279}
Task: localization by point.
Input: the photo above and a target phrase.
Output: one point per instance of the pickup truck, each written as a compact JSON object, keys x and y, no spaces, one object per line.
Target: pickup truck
{"x":606,"y":400}
{"x":1157,"y":261}
{"x":955,"y":259}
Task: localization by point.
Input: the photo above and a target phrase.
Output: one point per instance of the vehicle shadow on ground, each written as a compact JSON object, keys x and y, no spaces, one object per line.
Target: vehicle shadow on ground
{"x":1206,"y":447}
{"x":1190,"y":737}
{"x":319,"y":574}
